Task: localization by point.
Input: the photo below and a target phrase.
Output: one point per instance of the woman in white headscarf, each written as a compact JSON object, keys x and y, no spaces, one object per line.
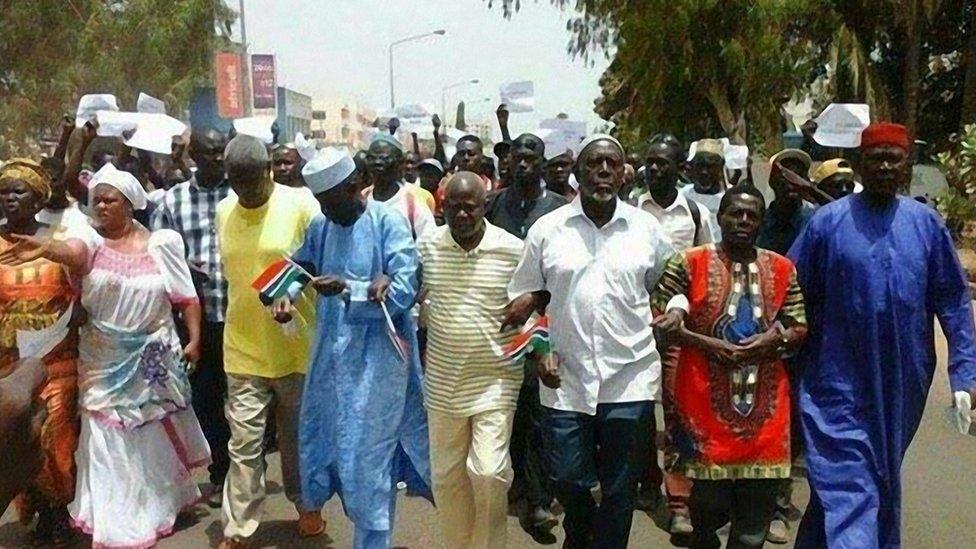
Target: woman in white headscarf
{"x":139,"y":437}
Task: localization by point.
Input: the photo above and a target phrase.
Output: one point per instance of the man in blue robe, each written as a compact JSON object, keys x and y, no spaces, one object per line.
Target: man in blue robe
{"x":363,"y":426}
{"x":875,"y":268}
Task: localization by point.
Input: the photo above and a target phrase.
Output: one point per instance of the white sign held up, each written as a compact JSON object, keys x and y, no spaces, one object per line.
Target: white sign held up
{"x":841,"y":124}
{"x":518,"y":96}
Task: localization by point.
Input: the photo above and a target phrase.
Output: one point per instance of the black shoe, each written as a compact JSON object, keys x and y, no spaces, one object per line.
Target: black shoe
{"x":537,"y":522}
{"x":542,"y":536}
{"x":542,"y":518}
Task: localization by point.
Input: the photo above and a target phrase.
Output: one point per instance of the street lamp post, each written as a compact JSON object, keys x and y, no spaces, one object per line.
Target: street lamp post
{"x":452,"y":86}
{"x":440,"y":32}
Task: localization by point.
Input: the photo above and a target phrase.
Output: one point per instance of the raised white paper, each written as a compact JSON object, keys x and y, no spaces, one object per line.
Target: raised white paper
{"x":256,"y":126}
{"x":841,"y":124}
{"x":91,"y":104}
{"x":518,"y":96}
{"x":150,"y":104}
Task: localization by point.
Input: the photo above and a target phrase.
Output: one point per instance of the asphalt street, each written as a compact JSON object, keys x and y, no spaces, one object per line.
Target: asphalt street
{"x":939,"y":477}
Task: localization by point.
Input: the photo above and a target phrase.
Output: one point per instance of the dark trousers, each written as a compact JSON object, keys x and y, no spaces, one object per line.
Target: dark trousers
{"x":528,"y":448}
{"x":209,"y":385}
{"x":608,"y":449}
{"x":749,"y":504}
{"x":653,"y":476}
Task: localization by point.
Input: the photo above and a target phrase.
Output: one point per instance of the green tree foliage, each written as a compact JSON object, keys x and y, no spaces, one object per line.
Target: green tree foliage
{"x":54,"y":51}
{"x":710,"y":67}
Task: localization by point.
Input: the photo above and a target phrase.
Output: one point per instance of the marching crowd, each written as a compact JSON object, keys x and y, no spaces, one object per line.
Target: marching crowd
{"x":486,"y":336}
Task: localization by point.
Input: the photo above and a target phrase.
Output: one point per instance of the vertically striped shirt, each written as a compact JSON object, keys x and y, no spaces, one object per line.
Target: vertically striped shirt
{"x":189,"y":209}
{"x":467,"y":371}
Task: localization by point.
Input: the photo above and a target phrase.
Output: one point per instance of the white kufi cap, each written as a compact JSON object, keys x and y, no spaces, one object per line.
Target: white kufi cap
{"x":328,"y":169}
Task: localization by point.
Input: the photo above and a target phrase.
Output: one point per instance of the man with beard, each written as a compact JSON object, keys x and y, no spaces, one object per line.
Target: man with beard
{"x":516,"y":209}
{"x":363,"y":427}
{"x":867,"y":367}
{"x":593,"y":263}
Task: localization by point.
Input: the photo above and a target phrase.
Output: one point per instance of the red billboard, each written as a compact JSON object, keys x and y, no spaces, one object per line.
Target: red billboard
{"x":230,"y":88}
{"x":264,"y":88}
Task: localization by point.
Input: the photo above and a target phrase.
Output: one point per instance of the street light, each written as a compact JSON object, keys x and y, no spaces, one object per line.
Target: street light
{"x":440,"y":32}
{"x":449,"y":87}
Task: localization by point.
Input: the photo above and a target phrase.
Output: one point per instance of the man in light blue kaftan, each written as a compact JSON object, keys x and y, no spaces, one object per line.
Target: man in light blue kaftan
{"x":363,"y":427}
{"x":875,"y":269}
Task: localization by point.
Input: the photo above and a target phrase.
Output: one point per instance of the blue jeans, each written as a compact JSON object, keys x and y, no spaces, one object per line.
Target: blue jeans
{"x":608,"y":449}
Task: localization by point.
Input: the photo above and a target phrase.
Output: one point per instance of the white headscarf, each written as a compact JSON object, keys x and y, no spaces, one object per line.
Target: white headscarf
{"x":124,"y":182}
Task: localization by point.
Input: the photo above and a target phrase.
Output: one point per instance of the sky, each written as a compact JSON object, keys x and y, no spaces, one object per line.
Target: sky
{"x":337,"y":49}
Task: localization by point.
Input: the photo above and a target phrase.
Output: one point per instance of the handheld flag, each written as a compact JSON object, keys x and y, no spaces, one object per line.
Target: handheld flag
{"x":281,"y":278}
{"x":534,"y":340}
{"x":398,"y":342}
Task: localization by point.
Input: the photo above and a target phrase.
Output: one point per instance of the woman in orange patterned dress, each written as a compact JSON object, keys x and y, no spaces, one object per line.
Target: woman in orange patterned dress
{"x":35,"y":296}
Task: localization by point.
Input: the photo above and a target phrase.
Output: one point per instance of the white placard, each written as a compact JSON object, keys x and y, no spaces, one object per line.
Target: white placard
{"x":154,"y":132}
{"x":256,"y":126}
{"x":736,"y":157}
{"x":518,"y":96}
{"x":149,"y":104}
{"x":91,"y":104}
{"x":841,"y":124}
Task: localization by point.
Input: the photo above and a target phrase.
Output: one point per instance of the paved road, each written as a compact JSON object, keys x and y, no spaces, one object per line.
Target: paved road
{"x":939,"y":511}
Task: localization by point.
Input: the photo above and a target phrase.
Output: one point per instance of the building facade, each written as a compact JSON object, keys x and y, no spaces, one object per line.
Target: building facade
{"x":341,"y":123}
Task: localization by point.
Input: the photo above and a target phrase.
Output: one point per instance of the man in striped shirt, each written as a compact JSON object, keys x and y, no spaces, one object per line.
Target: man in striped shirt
{"x":472,"y":387}
{"x":189,"y":208}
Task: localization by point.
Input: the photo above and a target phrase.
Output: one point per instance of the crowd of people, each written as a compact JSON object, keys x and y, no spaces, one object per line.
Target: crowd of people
{"x":360,"y":312}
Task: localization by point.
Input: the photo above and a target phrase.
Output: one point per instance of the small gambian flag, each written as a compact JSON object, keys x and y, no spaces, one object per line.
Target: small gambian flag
{"x":281,"y":278}
{"x":534,"y":340}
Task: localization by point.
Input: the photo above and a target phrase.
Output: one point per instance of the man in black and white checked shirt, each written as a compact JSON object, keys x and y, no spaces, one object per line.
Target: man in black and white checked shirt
{"x":189,"y":208}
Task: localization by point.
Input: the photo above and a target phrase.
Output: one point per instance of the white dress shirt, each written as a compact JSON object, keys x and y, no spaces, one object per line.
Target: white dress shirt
{"x":677,"y":221}
{"x":711,"y":203}
{"x":599,"y":316}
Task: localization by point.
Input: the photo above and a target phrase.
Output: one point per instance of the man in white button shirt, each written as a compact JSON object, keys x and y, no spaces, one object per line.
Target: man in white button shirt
{"x":686,"y":222}
{"x":595,"y":261}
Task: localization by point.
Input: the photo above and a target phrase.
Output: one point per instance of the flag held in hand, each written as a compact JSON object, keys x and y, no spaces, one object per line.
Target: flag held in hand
{"x":534,"y":340}
{"x":280,"y":279}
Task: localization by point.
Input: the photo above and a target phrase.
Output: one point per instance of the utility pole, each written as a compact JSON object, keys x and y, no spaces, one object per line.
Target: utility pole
{"x":245,"y":64}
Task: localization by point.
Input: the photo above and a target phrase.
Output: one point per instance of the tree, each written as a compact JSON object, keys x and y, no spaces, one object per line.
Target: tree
{"x":701,"y":67}
{"x":697,"y":68}
{"x":53,"y":52}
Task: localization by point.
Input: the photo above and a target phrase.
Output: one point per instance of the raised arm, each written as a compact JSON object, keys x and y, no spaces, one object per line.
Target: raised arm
{"x":67,"y":126}
{"x":72,"y":170}
{"x":439,"y":153}
{"x":502,"y":114}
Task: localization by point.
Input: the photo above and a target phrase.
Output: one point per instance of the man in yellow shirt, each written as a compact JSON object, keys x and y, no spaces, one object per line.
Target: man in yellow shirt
{"x":258,"y":224}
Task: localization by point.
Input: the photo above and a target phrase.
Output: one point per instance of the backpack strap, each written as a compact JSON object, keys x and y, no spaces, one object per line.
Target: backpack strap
{"x":696,"y":217}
